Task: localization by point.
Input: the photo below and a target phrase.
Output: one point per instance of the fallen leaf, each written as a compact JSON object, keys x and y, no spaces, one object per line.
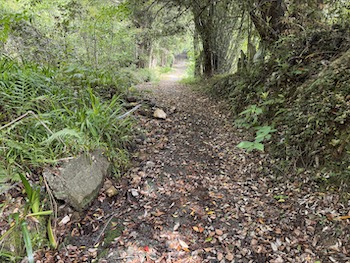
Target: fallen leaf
{"x":219,"y":232}
{"x":274,"y":247}
{"x":64,"y":220}
{"x":158,"y":213}
{"x":176,"y":227}
{"x":229,"y":257}
{"x":183,"y":244}
{"x":330,"y":217}
{"x":208,"y":249}
{"x":220,"y":256}
{"x":208,"y":239}
{"x":342,"y":218}
{"x":111,"y":191}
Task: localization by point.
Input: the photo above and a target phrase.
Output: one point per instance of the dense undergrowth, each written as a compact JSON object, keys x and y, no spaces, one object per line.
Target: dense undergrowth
{"x":302,"y":90}
{"x":48,"y":115}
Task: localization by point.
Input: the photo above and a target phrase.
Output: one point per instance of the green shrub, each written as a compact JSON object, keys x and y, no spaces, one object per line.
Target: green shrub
{"x":303,"y":91}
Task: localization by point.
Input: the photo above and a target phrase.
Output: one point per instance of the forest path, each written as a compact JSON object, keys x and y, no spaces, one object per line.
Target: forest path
{"x":178,"y":72}
{"x":193,"y":196}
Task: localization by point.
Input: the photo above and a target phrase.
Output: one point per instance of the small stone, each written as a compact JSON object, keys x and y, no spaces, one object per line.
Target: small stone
{"x":131,"y":99}
{"x":150,"y":164}
{"x":79,"y":180}
{"x":172,"y":110}
{"x":111,"y":191}
{"x":64,"y":220}
{"x":134,"y":193}
{"x":159,"y":114}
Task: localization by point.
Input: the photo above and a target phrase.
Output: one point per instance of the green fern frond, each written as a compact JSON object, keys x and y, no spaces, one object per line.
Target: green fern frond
{"x":64,"y":134}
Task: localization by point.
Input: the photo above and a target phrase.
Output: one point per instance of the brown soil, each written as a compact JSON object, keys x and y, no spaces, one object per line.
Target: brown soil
{"x":193,"y":196}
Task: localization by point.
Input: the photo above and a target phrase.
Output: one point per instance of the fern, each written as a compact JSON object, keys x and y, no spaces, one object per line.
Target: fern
{"x":64,"y":134}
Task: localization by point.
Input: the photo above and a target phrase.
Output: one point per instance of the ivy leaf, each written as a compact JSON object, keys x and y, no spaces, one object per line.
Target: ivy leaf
{"x":259,"y":146}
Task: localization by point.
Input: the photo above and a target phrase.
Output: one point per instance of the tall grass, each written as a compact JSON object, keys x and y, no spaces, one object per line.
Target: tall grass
{"x":46,"y":115}
{"x":66,"y":121}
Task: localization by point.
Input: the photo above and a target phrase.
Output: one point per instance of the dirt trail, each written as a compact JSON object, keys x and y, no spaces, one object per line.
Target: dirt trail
{"x":178,"y":72}
{"x":192,"y":196}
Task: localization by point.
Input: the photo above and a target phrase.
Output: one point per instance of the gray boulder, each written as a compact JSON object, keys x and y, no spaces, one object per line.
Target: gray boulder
{"x":79,"y":180}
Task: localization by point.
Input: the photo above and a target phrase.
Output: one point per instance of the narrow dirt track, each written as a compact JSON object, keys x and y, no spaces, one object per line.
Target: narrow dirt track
{"x":192,"y":196}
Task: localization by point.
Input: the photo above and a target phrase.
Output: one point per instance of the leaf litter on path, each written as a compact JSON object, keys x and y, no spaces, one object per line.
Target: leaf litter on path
{"x":212,"y":202}
{"x":193,"y":196}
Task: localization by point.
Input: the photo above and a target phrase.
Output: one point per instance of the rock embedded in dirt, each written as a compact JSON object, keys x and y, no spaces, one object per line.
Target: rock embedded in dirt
{"x":150,"y":164}
{"x":159,"y":114}
{"x":78,"y":181}
{"x":111,"y":191}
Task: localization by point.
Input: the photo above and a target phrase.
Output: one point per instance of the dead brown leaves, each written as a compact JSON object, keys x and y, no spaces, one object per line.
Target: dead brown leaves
{"x":192,"y":196}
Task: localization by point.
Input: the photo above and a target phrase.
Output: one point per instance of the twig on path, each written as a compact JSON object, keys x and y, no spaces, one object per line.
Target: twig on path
{"x":129,"y":112}
{"x":105,"y":226}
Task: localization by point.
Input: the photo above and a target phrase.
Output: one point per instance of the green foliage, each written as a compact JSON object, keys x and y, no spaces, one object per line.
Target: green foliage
{"x":33,"y":194}
{"x":281,"y":198}
{"x":164,"y":70}
{"x":302,"y":90}
{"x":249,"y":120}
{"x":193,"y":81}
{"x":250,"y":146}
{"x":7,"y":20}
{"x":27,"y":241}
{"x":42,"y":120}
{"x":31,"y":237}
{"x":262,"y":134}
{"x":250,"y":117}
{"x":64,"y":122}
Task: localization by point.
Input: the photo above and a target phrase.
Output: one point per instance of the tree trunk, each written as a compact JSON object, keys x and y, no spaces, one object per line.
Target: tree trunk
{"x":267,"y":19}
{"x":197,"y":55}
{"x":207,"y":58}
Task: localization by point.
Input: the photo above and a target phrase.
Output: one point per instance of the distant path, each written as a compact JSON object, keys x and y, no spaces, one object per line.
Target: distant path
{"x":178,"y":72}
{"x":192,"y":196}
